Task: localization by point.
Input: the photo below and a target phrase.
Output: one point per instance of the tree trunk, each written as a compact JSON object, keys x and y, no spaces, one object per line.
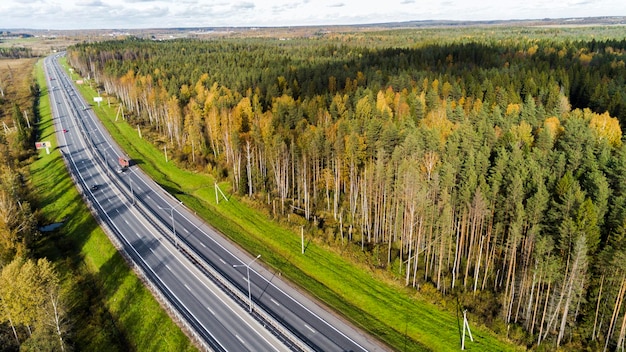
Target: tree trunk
{"x":578,"y":269}
{"x":595,"y":320}
{"x":616,"y":310}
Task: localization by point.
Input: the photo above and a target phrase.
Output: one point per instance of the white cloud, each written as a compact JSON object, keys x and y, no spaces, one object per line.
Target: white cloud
{"x":76,"y":14}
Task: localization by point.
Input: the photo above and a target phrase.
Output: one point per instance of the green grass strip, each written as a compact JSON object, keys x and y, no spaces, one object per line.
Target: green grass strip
{"x":113,"y":311}
{"x":392,"y":313}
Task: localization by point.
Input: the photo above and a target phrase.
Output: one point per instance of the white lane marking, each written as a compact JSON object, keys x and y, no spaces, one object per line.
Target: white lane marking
{"x":152,"y":250}
{"x":202,"y":244}
{"x":126,"y":222}
{"x":187,"y":287}
{"x":240,"y":340}
{"x":222,"y":260}
{"x":117,"y":210}
{"x":185,"y":229}
{"x":148,"y":197}
{"x":168,"y":267}
{"x":276,"y":303}
{"x":210,"y":310}
{"x":310,"y":328}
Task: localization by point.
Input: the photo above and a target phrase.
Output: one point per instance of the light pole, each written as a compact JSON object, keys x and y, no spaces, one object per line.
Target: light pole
{"x":248,"y":273}
{"x":103,"y":154}
{"x":173,"y":223}
{"x":132,"y":194}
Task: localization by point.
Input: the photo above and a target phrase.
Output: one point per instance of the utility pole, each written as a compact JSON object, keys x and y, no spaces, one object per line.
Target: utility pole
{"x":217,"y":188}
{"x":465,"y":325}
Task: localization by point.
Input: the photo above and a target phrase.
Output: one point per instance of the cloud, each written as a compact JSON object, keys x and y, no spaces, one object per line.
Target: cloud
{"x":76,"y":14}
{"x":244,"y":6}
{"x":288,"y":6}
{"x":339,"y":4}
{"x":91,"y":3}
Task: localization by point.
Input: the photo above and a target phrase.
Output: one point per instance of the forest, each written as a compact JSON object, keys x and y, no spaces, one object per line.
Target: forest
{"x":33,"y":302}
{"x":485,"y":163}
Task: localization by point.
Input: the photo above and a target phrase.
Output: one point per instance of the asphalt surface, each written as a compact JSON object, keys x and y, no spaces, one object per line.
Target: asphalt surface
{"x":202,"y":274}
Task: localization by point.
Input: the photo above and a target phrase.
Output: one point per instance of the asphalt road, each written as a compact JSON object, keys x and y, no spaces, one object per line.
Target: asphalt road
{"x":157,"y":229}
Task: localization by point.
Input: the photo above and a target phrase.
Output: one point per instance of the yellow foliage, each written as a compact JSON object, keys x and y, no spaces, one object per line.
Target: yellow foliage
{"x":382,"y":105}
{"x":605,"y":126}
{"x":523,"y":133}
{"x":585,"y":58}
{"x":438,"y":121}
{"x":553,"y":125}
{"x":513,"y":109}
{"x":478,"y":105}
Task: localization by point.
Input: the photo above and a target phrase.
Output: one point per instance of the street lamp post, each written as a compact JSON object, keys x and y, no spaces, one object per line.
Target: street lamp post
{"x":248,"y":273}
{"x":103,"y":153}
{"x":173,"y":223}
{"x":132,"y":194}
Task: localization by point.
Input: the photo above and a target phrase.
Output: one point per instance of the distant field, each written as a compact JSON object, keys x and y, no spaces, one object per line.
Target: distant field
{"x":42,"y":46}
{"x":15,"y":76}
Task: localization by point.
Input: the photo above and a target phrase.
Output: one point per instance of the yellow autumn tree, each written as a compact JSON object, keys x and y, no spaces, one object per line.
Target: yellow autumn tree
{"x":382,"y":105}
{"x":438,"y":121}
{"x":523,"y":133}
{"x":553,"y":125}
{"x":606,"y":127}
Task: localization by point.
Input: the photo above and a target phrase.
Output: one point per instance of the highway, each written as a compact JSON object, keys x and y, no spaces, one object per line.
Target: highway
{"x":219,"y":324}
{"x":201,"y":275}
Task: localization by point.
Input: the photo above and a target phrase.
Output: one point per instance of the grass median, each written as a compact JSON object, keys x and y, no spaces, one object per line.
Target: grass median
{"x":111,"y":310}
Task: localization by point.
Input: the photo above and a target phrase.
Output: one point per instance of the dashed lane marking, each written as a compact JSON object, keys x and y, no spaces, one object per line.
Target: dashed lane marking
{"x":239,"y":338}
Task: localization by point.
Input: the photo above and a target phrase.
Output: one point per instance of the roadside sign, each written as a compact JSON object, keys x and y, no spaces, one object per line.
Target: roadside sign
{"x":44,"y":145}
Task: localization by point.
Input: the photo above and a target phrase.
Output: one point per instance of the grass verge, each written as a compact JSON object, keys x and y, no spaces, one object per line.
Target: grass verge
{"x":395,"y":315}
{"x":111,"y":310}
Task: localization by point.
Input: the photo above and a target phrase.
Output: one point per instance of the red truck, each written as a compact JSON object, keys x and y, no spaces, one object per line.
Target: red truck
{"x":124,"y":162}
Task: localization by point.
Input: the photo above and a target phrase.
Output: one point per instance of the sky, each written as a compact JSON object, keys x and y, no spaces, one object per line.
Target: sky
{"x":131,"y":14}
